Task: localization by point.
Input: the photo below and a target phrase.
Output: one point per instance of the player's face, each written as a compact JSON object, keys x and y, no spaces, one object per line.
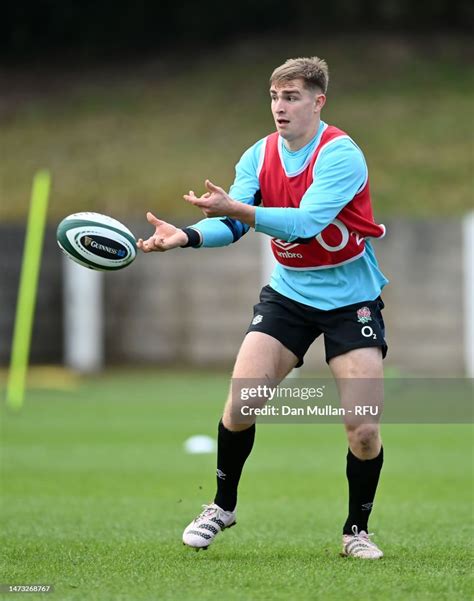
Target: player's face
{"x":296,"y":112}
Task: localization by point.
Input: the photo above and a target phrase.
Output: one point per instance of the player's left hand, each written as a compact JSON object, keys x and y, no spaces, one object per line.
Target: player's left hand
{"x":166,"y":236}
{"x":214,"y":203}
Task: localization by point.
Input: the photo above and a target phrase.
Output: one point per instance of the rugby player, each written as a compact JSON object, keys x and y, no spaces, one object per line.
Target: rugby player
{"x":306,"y":186}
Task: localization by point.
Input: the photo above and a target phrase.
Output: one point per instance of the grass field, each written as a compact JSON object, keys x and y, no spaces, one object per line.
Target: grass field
{"x":97,"y":489}
{"x":131,"y":136}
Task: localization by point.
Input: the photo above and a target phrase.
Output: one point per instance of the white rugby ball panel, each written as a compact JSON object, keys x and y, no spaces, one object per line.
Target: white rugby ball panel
{"x":99,"y":218}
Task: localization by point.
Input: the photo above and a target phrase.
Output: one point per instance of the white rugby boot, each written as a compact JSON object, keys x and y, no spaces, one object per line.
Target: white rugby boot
{"x":202,"y":531}
{"x":359,"y":545}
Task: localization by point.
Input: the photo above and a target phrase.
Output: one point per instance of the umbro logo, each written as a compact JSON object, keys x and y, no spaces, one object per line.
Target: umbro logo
{"x":220,"y":474}
{"x":367,"y":506}
{"x":285,"y":245}
{"x":257,"y":319}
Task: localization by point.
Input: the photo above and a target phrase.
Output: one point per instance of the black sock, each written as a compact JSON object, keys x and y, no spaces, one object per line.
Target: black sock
{"x":363,"y":477}
{"x":233,"y":448}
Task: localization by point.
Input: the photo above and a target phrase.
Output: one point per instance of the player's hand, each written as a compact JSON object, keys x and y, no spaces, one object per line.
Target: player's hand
{"x":166,"y":236}
{"x":214,"y":203}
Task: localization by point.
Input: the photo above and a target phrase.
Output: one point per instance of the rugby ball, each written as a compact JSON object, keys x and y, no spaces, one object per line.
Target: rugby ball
{"x":96,"y":241}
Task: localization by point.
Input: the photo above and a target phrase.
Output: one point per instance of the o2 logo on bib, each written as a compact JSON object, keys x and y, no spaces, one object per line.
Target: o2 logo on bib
{"x":337,"y":236}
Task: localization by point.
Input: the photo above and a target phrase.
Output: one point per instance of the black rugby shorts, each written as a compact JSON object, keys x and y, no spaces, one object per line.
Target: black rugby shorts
{"x":297,"y":325}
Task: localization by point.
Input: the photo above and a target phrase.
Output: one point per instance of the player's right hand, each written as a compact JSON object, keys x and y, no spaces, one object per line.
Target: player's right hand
{"x":166,"y":236}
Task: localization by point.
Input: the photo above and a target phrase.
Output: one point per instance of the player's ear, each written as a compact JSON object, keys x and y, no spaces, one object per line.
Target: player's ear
{"x":319,"y":102}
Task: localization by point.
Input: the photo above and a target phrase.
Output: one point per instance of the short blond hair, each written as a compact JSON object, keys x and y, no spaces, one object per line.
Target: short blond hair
{"x":313,"y":71}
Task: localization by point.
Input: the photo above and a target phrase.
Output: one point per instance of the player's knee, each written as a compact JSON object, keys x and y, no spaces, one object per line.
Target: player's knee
{"x":236,"y":421}
{"x":239,"y":415}
{"x":364,"y":439}
{"x":234,"y":425}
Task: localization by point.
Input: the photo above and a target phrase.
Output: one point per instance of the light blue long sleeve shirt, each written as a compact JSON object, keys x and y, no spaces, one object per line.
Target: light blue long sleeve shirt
{"x":339,"y":173}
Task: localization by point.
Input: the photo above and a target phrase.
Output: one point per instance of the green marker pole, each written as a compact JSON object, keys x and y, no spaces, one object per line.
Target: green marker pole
{"x":25,"y":307}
